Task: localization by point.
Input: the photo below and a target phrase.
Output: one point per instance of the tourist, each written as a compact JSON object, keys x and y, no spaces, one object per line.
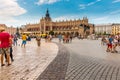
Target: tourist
{"x":103,"y":40}
{"x":5,"y":43}
{"x":60,"y":37}
{"x":50,"y":37}
{"x":46,"y":37}
{"x":38,"y":39}
{"x":11,"y":50}
{"x":115,"y":43}
{"x":24,"y":38}
{"x":109,"y":44}
{"x":71,"y":38}
{"x":15,"y":39}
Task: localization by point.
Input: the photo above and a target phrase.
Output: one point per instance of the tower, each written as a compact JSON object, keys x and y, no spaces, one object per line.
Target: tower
{"x":85,"y":19}
{"x":47,"y":16}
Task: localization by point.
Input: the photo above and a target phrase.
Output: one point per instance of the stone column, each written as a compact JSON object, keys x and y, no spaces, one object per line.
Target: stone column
{"x":40,"y":27}
{"x":51,"y":27}
{"x":44,"y":28}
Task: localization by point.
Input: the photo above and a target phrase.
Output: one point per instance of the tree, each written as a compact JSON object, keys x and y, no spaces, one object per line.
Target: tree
{"x":104,"y":33}
{"x":51,"y":33}
{"x":99,"y":33}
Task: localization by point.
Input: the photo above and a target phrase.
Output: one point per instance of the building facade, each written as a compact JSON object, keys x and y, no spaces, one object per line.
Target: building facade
{"x":115,"y":28}
{"x":11,"y":30}
{"x":101,"y":29}
{"x":46,"y":25}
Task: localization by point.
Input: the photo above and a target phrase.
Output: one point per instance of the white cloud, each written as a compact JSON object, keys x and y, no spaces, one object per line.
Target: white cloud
{"x":99,"y":19}
{"x":92,"y":19}
{"x":115,"y":1}
{"x":105,"y":19}
{"x":9,"y":9}
{"x":41,"y":2}
{"x":9,"y":21}
{"x":115,"y":12}
{"x":83,"y":6}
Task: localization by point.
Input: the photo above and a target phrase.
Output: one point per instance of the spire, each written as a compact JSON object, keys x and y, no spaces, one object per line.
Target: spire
{"x":47,"y":17}
{"x":47,"y":13}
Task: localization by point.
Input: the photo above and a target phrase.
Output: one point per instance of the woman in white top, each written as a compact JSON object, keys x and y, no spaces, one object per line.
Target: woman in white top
{"x":115,"y":43}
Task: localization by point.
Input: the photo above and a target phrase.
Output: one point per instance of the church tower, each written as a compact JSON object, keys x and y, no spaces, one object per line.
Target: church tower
{"x":47,"y":16}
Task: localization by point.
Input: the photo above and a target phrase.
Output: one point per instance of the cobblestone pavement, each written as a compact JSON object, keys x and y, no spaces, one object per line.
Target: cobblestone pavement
{"x":89,"y":61}
{"x":29,"y":62}
{"x":79,"y":60}
{"x":58,"y":67}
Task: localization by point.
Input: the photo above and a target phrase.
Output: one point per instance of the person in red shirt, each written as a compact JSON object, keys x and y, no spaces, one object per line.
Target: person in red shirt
{"x":5,"y":43}
{"x":11,"y":50}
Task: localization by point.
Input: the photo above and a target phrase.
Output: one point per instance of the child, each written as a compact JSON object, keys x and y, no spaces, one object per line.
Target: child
{"x":109,"y":46}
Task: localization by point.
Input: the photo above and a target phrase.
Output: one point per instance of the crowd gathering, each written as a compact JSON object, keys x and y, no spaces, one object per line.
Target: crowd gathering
{"x":8,"y":40}
{"x":112,"y":42}
{"x":65,"y":38}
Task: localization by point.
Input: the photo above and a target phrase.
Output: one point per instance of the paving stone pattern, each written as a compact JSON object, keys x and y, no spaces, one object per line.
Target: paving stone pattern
{"x":58,"y":67}
{"x":82,"y":67}
{"x":89,"y":68}
{"x":29,"y":62}
{"x":49,"y":63}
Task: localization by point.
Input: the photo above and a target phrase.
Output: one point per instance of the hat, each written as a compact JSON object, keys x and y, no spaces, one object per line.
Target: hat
{"x":2,"y":29}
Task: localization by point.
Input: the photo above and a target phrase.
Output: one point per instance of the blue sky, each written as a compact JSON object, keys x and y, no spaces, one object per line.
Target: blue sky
{"x":19,"y":12}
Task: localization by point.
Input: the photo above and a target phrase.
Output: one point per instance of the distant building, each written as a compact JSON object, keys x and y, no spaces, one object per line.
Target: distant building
{"x":11,"y":30}
{"x":33,"y":28}
{"x":46,"y":25}
{"x":115,"y":28}
{"x":105,"y":28}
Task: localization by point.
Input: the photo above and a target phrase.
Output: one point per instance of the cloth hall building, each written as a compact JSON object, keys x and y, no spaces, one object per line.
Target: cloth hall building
{"x":81,"y":27}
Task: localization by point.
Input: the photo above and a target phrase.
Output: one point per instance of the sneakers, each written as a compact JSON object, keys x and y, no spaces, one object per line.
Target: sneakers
{"x":12,"y":60}
{"x":114,"y":51}
{"x":2,"y":64}
{"x":107,"y":50}
{"x":9,"y":64}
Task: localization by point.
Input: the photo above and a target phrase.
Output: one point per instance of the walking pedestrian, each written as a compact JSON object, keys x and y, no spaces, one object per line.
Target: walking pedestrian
{"x":24,"y":38}
{"x":70,"y":38}
{"x":15,"y":39}
{"x":5,"y":43}
{"x":11,"y":51}
{"x":115,"y":43}
{"x":109,"y":44}
{"x":38,"y":39}
{"x":60,"y":37}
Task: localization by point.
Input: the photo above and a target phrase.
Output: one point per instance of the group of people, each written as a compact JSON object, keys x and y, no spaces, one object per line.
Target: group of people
{"x":6,"y":42}
{"x":112,"y":42}
{"x":48,"y":38}
{"x":66,"y":38}
{"x":26,"y":38}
